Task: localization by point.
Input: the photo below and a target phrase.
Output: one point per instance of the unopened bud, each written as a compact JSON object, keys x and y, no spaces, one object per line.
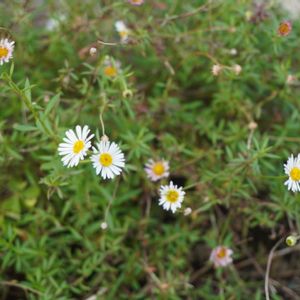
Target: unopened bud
{"x":104,"y":138}
{"x":93,"y":51}
{"x":216,"y":70}
{"x":237,"y":69}
{"x":252,"y":125}
{"x":103,"y":225}
{"x":127,"y":93}
{"x":291,"y":79}
{"x":187,"y":211}
{"x":291,"y":240}
{"x":233,"y":51}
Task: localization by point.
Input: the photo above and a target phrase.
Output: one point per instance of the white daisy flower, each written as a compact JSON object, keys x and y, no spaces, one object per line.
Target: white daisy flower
{"x":292,"y":169}
{"x":6,"y":50}
{"x":75,"y":146}
{"x":108,"y":159}
{"x":136,"y":2}
{"x":111,"y":68}
{"x":123,"y":31}
{"x":171,"y":197}
{"x":221,"y":256}
{"x":157,"y":169}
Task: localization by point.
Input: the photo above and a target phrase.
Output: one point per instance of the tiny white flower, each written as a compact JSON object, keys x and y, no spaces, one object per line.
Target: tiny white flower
{"x":108,"y":159}
{"x":123,"y":31}
{"x":216,"y":70}
{"x":136,"y":2}
{"x":292,"y":169}
{"x":75,"y":146}
{"x":157,"y":169}
{"x":111,"y":67}
{"x":187,"y":211}
{"x":171,"y":197}
{"x":221,"y":256}
{"x":6,"y":50}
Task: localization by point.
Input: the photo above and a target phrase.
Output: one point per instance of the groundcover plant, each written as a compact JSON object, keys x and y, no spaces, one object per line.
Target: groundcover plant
{"x":149,"y":149}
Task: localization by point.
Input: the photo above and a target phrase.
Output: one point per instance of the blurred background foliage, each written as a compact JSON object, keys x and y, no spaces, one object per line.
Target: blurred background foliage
{"x":226,"y":138}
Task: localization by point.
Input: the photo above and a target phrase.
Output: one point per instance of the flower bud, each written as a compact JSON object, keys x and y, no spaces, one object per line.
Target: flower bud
{"x":103,"y":225}
{"x":291,"y":79}
{"x":216,"y":70}
{"x":233,"y":51}
{"x":237,"y":69}
{"x":127,"y":93}
{"x":93,"y":51}
{"x":252,"y":125}
{"x":187,"y":211}
{"x":104,"y":138}
{"x":291,"y":240}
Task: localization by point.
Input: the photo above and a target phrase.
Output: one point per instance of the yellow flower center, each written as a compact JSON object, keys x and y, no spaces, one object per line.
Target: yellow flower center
{"x":284,"y":29}
{"x":3,"y":52}
{"x":172,"y":196}
{"x":158,"y":169}
{"x":295,"y":174}
{"x":110,"y":71}
{"x":123,"y":34}
{"x":78,"y":146}
{"x":222,"y":253}
{"x":136,"y":1}
{"x":105,"y":159}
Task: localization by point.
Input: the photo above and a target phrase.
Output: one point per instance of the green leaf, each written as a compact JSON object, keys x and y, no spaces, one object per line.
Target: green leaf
{"x":24,"y":128}
{"x":52,"y":103}
{"x":27,"y":90}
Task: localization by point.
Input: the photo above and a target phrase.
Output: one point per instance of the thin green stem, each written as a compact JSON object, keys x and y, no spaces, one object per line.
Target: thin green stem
{"x":29,"y":105}
{"x":18,"y":285}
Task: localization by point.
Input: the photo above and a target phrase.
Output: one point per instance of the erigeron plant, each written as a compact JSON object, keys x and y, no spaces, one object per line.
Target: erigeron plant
{"x":186,"y":112}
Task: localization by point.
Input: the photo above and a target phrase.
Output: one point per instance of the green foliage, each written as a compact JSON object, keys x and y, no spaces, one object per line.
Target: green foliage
{"x":226,"y":138}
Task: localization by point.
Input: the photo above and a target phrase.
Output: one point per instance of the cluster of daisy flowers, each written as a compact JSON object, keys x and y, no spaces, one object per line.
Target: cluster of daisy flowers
{"x":107,"y":158}
{"x":171,"y":196}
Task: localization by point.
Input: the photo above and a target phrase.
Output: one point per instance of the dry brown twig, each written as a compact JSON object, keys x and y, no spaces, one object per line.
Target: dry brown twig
{"x":185,"y":15}
{"x":269,"y":263}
